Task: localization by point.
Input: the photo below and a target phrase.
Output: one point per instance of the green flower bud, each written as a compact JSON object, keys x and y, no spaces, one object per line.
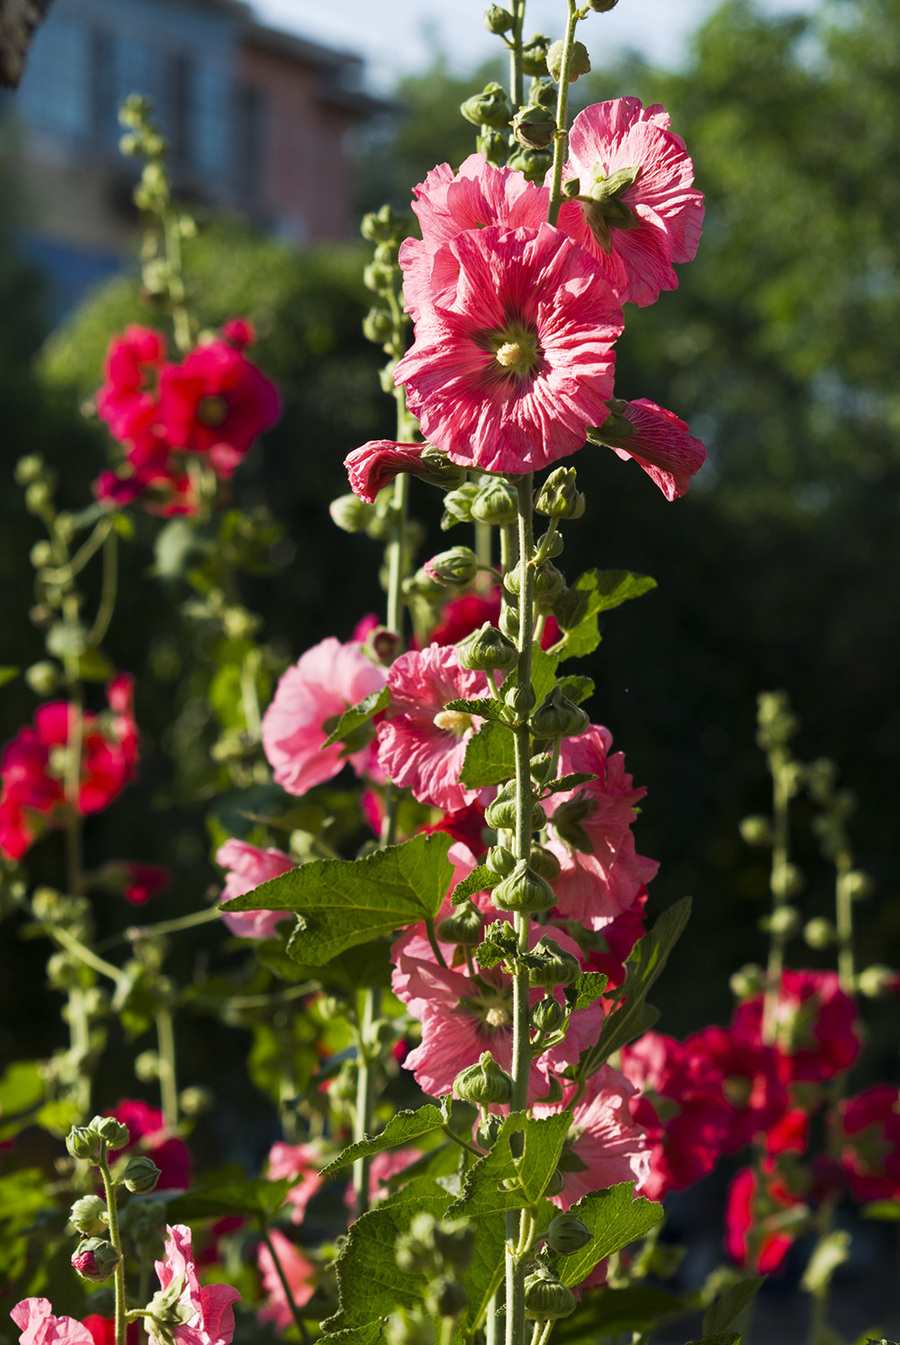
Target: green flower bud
{"x":549,"y":582}
{"x":64,"y":972}
{"x":495,"y":501}
{"x":551,"y":544}
{"x":378,"y":326}
{"x":532,"y":163}
{"x":509,"y":622}
{"x":820,"y":933}
{"x":458,"y":505}
{"x":785,"y":921}
{"x":788,"y":880}
{"x":436,"y":469}
{"x":498,"y":20}
{"x":558,"y":717}
{"x":540,"y":767}
{"x":542,"y":93}
{"x":493,"y":145}
{"x":534,"y":127}
{"x":140,"y":1175}
{"x":567,"y":822}
{"x":821,"y":778}
{"x":350,"y":513}
{"x":523,"y":890}
{"x":41,"y":554}
{"x":146,"y":1066}
{"x":546,"y":1297}
{"x":544,"y":862}
{"x":550,"y":965}
{"x":534,"y":55}
{"x":95,"y":1259}
{"x":877,"y":981}
{"x":557,"y":1183}
{"x":379,"y":277}
{"x":488,"y":650}
{"x":579,"y":63}
{"x":501,"y":811}
{"x":82,"y":1142}
{"x":90,"y":1216}
{"x":196,"y":1100}
{"x":488,"y":1130}
{"x":547,"y":1015}
{"x":500,"y":860}
{"x":446,"y":1297}
{"x":38,"y":497}
{"x":382,"y":225}
{"x":748,"y":981}
{"x":454,"y":568}
{"x":113,"y":1133}
{"x":491,"y":107}
{"x":519,"y":699}
{"x":484,"y":1084}
{"x":602,"y":6}
{"x":409,"y":1328}
{"x":558,"y":496}
{"x":29,"y":469}
{"x":567,"y":1233}
{"x":859,"y":885}
{"x":756,"y":830}
{"x":463,"y":926}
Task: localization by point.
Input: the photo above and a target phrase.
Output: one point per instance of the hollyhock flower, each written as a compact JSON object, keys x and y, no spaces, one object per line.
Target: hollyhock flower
{"x":510,"y":377}
{"x":682,"y":1108}
{"x":607,"y":1145}
{"x":103,"y":1330}
{"x":216,"y":402}
{"x":467,"y":613}
{"x":815,"y":1025}
{"x":774,"y":1215}
{"x":758,"y":1097}
{"x":657,"y":440}
{"x":448,"y":204}
{"x":150,"y":1136}
{"x":619,"y":936}
{"x":299,"y":1274}
{"x":248,"y":866}
{"x":127,"y":399}
{"x":869,"y":1130}
{"x":182,"y":1311}
{"x":34,"y":1318}
{"x":467,"y":826}
{"x":790,"y":1133}
{"x":422,"y":745}
{"x":143,"y":881}
{"x":601,"y":875}
{"x":163,"y":489}
{"x":309,"y":699}
{"x":33,"y":766}
{"x":642,"y":214}
{"x":303,"y":1162}
{"x":377,"y":463}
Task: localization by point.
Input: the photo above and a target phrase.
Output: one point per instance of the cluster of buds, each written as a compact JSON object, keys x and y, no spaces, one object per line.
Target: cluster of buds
{"x":385,"y":320}
{"x":96,"y":1257}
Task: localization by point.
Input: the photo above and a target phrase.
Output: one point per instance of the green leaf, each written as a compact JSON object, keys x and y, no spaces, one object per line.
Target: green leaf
{"x":882,"y":1209}
{"x":402,"y":1128}
{"x":543,"y":672}
{"x":367,"y":964}
{"x":570,"y":781}
{"x":726,"y":1310}
{"x":500,"y":942}
{"x":615,"y":1219}
{"x":481,"y":879}
{"x":486,"y":707}
{"x":722,"y":1338}
{"x":7,"y":675}
{"x":341,"y":903}
{"x":594,"y":592}
{"x":94,"y":666}
{"x":490,"y":756}
{"x":370,"y":1334}
{"x":633,"y":1016}
{"x":527,"y":1176}
{"x":586,"y":990}
{"x":357,"y":715}
{"x":230,"y":1195}
{"x":576,"y":688}
{"x":23,"y":1194}
{"x":370,"y":1283}
{"x":22,"y":1091}
{"x":635,"y":1308}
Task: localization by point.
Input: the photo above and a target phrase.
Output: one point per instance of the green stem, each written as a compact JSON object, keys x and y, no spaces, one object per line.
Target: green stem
{"x":463,"y":1144}
{"x":168,"y":1081}
{"x":139,"y":933}
{"x":516,"y":71}
{"x":288,"y":1292}
{"x":65,"y":573}
{"x":107,"y":591}
{"x":109,"y":1191}
{"x":780,"y":854}
{"x":181,"y":321}
{"x":365,"y":1096}
{"x":844,"y":923}
{"x":87,"y":955}
{"x":435,"y":946}
{"x":561,"y":139}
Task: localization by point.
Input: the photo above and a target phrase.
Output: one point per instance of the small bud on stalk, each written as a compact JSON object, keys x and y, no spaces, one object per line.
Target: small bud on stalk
{"x":454,"y":568}
{"x":524,"y":890}
{"x":602,"y":6}
{"x":567,"y":1233}
{"x":491,"y":107}
{"x":500,"y":860}
{"x":534,"y":127}
{"x":350,"y":513}
{"x":95,"y":1259}
{"x":495,"y":501}
{"x":498,"y":20}
{"x":546,"y":1297}
{"x":534,"y":55}
{"x":558,"y":497}
{"x":112,"y":1132}
{"x":140,"y":1175}
{"x":82,"y":1142}
{"x":545,"y":863}
{"x":532,"y":163}
{"x":89,"y":1216}
{"x":756,"y":830}
{"x":463,"y":926}
{"x":547,"y":1015}
{"x":558,"y":717}
{"x":488,"y":650}
{"x":550,"y":965}
{"x":485,"y":1083}
{"x":579,"y":61}
{"x":446,"y":1297}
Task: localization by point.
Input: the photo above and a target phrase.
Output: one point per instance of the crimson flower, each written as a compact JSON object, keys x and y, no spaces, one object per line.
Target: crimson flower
{"x":869,"y":1130}
{"x":762,"y":1218}
{"x":815,"y":1025}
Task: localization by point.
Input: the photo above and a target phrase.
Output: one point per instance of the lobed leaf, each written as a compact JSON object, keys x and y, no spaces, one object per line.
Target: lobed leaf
{"x":579,"y":607}
{"x":481,"y":879}
{"x":587,"y":989}
{"x":490,"y":756}
{"x":357,"y":715}
{"x":614,"y":1218}
{"x":246,"y":1196}
{"x":402,"y":1128}
{"x":484,"y":706}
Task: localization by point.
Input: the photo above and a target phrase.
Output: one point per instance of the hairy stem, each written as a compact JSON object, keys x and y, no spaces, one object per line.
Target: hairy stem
{"x":561,"y":139}
{"x":109,"y":1191}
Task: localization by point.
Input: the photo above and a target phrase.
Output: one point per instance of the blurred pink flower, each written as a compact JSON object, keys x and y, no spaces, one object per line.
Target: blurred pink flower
{"x":298,"y":1272}
{"x":658,"y":441}
{"x":35,"y":1319}
{"x":248,"y":866}
{"x":603,"y":1136}
{"x":187,"y":1313}
{"x":303,"y":1162}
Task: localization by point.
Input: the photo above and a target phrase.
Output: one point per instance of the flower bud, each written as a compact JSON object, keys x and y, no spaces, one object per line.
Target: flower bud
{"x":196,"y":1100}
{"x":788,"y":880}
{"x":567,"y":822}
{"x":534,"y":127}
{"x":546,"y":1297}
{"x":64,"y":972}
{"x":557,"y":1183}
{"x":95,"y":1259}
{"x":602,"y":6}
{"x":112,"y":1132}
{"x":558,"y":496}
{"x":549,"y":582}
{"x":523,"y":890}
{"x":820,"y":933}
{"x":531,"y":163}
{"x":756,"y":830}
{"x":38,"y":497}
{"x":89,"y":1215}
{"x":747,"y":981}
{"x":350,"y":513}
{"x":547,"y":1015}
{"x":542,"y":93}
{"x":455,"y":1242}
{"x":454,"y":568}
{"x":382,"y":225}
{"x":519,"y":699}
{"x":463,"y":926}
{"x":858,"y":885}
{"x":493,"y":145}
{"x":140,"y":1175}
{"x":509,"y":622}
{"x":498,"y":20}
{"x":501,"y":812}
{"x":488,"y":1130}
{"x":579,"y":61}
{"x":458,"y":505}
{"x":82,"y":1142}
{"x":491,"y":107}
{"x":876,"y":982}
{"x":549,"y":965}
{"x":446,"y":1297}
{"x":567,"y":1233}
{"x":378,"y":326}
{"x":484,"y":1084}
{"x":495,"y":502}
{"x":544,"y":862}
{"x":146,"y":1066}
{"x":29,"y":469}
{"x":558,"y":717}
{"x":488,"y":650}
{"x":550,"y":544}
{"x":534,"y":55}
{"x":500,"y":860}
{"x":785,"y":921}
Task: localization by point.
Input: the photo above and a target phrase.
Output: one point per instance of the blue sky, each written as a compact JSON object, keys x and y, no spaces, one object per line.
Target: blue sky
{"x":400,"y":36}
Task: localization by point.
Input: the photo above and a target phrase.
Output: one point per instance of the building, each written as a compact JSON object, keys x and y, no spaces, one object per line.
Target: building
{"x":259,"y":123}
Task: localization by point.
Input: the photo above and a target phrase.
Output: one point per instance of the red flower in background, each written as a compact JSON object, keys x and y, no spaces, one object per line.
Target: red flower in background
{"x":762,"y":1220}
{"x":150,"y":1137}
{"x":751,"y":1082}
{"x":870,"y":1148}
{"x":815,"y":1025}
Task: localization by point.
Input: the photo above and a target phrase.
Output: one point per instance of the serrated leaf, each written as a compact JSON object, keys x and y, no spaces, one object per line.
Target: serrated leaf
{"x":245,"y":1196}
{"x":484,"y":706}
{"x":341,"y":903}
{"x":594,"y":592}
{"x":576,"y":688}
{"x":614,"y":1218}
{"x":586,"y":990}
{"x":402,"y":1128}
{"x":481,"y":879}
{"x":633,"y":1016}
{"x":7,"y":675}
{"x":570,"y":781}
{"x":726,"y":1310}
{"x":529,"y":1174}
{"x":490,"y":756}
{"x":500,"y":942}
{"x":370,"y":1334}
{"x":357,"y":715}
{"x":370,"y":1283}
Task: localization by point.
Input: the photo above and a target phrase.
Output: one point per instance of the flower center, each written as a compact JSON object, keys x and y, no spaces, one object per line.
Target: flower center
{"x":212,"y":411}
{"x":491,"y":1005}
{"x":454,"y":721}
{"x":515,"y":350}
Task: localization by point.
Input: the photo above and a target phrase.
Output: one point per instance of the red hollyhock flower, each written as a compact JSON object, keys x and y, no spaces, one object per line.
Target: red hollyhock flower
{"x":752,"y":1084}
{"x":815,"y":1025}
{"x":467,"y":613}
{"x":620,"y":936}
{"x":149,"y":1137}
{"x":870,"y":1134}
{"x":657,"y":440}
{"x":772,"y":1211}
{"x":127,"y":399}
{"x":103,"y":1330}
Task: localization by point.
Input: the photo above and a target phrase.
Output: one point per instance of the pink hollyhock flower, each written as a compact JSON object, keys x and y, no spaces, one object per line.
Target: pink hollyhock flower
{"x":774,"y":1214}
{"x":869,"y":1130}
{"x":163,"y":489}
{"x":298,"y":1272}
{"x":33,"y":766}
{"x":34,"y":1318}
{"x":606,"y":1142}
{"x":511,"y":375}
{"x":248,"y":866}
{"x":182,"y":1311}
{"x":681,"y":1107}
{"x":376,"y":464}
{"x":127,"y":399}
{"x":150,"y":1136}
{"x":303,"y":1162}
{"x":752,"y":1083}
{"x":216,"y":402}
{"x":642,"y":214}
{"x":143,"y":881}
{"x":309,"y":699}
{"x":448,"y":204}
{"x":657,"y":440}
{"x":422,"y":745}
{"x":815,"y":1025}
{"x":591,"y":836}
{"x":619,"y":936}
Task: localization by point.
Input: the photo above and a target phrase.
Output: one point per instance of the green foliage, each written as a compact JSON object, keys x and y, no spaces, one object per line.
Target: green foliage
{"x":615,"y":1219}
{"x":726,"y":1310}
{"x":225,"y":1194}
{"x":357,"y":715}
{"x":501,"y":1181}
{"x":481,"y":879}
{"x":490,"y":757}
{"x":579,"y":607}
{"x":402,"y":1128}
